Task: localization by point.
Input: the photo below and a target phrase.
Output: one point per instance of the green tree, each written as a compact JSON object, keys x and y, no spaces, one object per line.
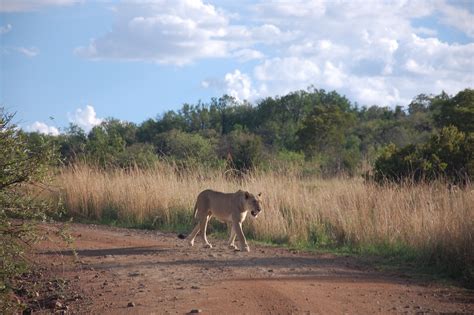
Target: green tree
{"x":326,"y":126}
{"x":420,"y":121}
{"x":455,"y":151}
{"x":223,"y":110}
{"x":278,"y":119}
{"x":457,"y":111}
{"x":324,"y":131}
{"x":123,"y":129}
{"x":104,"y":145}
{"x":184,"y":146}
{"x":420,"y":104}
{"x":147,"y":130}
{"x":72,"y":144}
{"x":351,"y":155}
{"x":243,"y":150}
{"x":138,"y":154}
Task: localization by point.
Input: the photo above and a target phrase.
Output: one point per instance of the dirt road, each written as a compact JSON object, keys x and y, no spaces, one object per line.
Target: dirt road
{"x":121,"y":271}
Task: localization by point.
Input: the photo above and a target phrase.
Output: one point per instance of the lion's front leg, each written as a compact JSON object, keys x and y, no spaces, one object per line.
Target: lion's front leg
{"x":240,"y":235}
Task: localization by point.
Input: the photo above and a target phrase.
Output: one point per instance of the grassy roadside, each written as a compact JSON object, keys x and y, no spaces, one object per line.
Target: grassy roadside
{"x":399,"y":259}
{"x":424,"y":225}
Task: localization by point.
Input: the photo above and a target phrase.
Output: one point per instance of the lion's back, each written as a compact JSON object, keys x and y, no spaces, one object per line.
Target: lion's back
{"x":216,"y":201}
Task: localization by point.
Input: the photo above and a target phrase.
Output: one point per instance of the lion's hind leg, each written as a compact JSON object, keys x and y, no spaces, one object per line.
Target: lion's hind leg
{"x":203,"y":228}
{"x":193,"y":234}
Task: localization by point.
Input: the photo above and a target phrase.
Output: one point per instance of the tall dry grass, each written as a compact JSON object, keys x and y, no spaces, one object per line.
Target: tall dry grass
{"x":428,"y":219}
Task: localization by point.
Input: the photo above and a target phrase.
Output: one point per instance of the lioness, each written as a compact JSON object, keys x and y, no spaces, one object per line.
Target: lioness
{"x":230,"y":208}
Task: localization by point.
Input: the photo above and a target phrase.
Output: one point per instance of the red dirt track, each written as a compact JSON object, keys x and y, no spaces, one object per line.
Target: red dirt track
{"x":161,"y":274}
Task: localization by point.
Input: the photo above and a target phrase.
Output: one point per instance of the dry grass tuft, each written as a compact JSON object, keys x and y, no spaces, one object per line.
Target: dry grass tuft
{"x":429,"y":219}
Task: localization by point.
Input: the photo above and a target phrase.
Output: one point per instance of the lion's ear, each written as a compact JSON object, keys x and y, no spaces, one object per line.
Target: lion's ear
{"x":247,"y":195}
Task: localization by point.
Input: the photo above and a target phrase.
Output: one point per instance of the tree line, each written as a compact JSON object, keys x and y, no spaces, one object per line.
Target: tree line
{"x":320,"y":132}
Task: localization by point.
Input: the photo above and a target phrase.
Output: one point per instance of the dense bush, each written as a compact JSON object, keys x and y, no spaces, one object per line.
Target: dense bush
{"x":138,"y":154}
{"x":23,"y":160}
{"x":243,"y":150}
{"x":449,"y":154}
{"x":183,"y":146}
{"x":457,"y":111}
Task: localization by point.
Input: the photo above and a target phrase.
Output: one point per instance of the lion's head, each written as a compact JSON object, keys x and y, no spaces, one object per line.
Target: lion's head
{"x":253,"y":203}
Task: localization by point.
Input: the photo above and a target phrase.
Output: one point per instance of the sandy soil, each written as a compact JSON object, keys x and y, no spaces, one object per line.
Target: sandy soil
{"x":121,"y":271}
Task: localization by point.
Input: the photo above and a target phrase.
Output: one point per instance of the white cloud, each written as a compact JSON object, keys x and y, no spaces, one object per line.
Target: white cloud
{"x":374,"y":57}
{"x":425,"y":31}
{"x":376,"y":91}
{"x":244,"y":55}
{"x":296,"y":9}
{"x":413,"y":66}
{"x":369,"y":50}
{"x":441,"y":59}
{"x":85,"y":118}
{"x":179,"y":32}
{"x":239,"y":85}
{"x":270,"y":34}
{"x":205,"y":84}
{"x":461,"y":19}
{"x":29,"y":52}
{"x":43,"y":128}
{"x":334,"y":76}
{"x":5,"y":29}
{"x":287,"y":69}
{"x":166,"y":32}
{"x":32,"y":5}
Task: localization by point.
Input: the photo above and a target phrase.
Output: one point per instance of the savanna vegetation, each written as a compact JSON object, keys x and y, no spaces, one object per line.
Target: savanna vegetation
{"x":25,"y":172}
{"x":425,"y":223}
{"x":322,"y":133}
{"x":393,"y":181}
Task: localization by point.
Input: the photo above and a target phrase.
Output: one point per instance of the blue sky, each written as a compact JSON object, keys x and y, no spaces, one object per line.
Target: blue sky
{"x":83,"y":61}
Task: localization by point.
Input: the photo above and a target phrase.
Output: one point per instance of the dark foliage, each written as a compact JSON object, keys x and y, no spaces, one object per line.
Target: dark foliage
{"x":448,"y":154}
{"x":333,"y":135}
{"x":24,"y":162}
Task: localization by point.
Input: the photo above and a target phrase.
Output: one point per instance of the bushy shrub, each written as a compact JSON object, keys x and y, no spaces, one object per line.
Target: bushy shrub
{"x":189,"y":147}
{"x":243,"y":150}
{"x":141,"y":155}
{"x":21,"y":163}
{"x":449,"y":154}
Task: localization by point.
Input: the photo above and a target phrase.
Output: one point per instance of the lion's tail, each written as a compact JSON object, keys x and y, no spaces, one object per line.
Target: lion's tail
{"x":183,"y":236}
{"x":195,"y":210}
